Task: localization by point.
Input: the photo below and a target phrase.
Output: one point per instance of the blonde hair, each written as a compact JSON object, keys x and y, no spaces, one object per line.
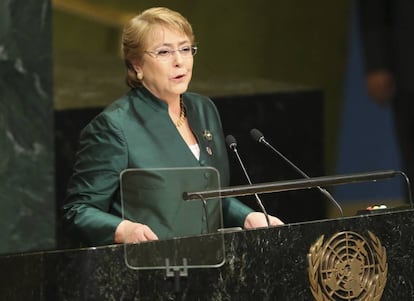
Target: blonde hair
{"x":137,"y":31}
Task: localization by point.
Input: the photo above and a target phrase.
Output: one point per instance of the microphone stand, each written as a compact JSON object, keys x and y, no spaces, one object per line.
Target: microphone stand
{"x":259,"y":137}
{"x":231,"y":141}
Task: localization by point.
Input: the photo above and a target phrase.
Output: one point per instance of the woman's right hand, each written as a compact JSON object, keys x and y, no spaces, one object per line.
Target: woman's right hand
{"x":129,"y":232}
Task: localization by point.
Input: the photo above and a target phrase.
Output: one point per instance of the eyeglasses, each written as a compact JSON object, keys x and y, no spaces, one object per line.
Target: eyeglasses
{"x":166,"y":53}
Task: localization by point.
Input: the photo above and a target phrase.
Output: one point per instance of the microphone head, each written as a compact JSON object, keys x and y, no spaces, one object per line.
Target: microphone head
{"x":256,"y":135}
{"x":231,"y":142}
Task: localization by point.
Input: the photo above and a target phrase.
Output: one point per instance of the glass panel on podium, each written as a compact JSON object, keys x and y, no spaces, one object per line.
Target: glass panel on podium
{"x":188,"y":231}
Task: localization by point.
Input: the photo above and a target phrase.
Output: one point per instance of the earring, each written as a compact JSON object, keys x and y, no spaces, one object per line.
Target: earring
{"x":140,"y":76}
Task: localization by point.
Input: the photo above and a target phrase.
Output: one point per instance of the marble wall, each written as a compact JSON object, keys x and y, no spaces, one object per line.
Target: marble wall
{"x":27,"y":209}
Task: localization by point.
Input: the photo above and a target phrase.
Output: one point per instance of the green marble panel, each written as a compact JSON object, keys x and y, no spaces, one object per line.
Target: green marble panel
{"x":27,"y":210}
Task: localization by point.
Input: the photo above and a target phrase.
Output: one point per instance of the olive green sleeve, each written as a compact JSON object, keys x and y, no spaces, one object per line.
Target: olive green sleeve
{"x":94,"y":185}
{"x":234,"y":212}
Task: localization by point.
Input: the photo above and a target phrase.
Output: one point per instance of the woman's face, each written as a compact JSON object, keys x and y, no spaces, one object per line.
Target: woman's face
{"x":166,"y":77}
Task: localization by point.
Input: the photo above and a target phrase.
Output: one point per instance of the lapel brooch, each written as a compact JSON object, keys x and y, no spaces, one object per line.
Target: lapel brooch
{"x":207,"y":135}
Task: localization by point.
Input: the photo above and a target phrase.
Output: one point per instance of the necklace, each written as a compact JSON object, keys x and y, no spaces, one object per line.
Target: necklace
{"x":183,"y":114}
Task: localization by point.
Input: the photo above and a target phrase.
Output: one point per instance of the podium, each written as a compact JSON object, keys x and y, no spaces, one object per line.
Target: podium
{"x":278,"y":263}
{"x":364,"y":257}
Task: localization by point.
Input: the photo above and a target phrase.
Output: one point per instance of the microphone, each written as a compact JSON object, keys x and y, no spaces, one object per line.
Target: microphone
{"x":232,"y":144}
{"x":259,"y":137}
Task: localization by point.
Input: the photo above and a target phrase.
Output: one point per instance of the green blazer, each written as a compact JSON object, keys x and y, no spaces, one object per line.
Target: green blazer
{"x":136,"y":132}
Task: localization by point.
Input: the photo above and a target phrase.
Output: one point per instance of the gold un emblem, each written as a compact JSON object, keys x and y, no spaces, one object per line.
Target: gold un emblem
{"x":347,"y":267}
